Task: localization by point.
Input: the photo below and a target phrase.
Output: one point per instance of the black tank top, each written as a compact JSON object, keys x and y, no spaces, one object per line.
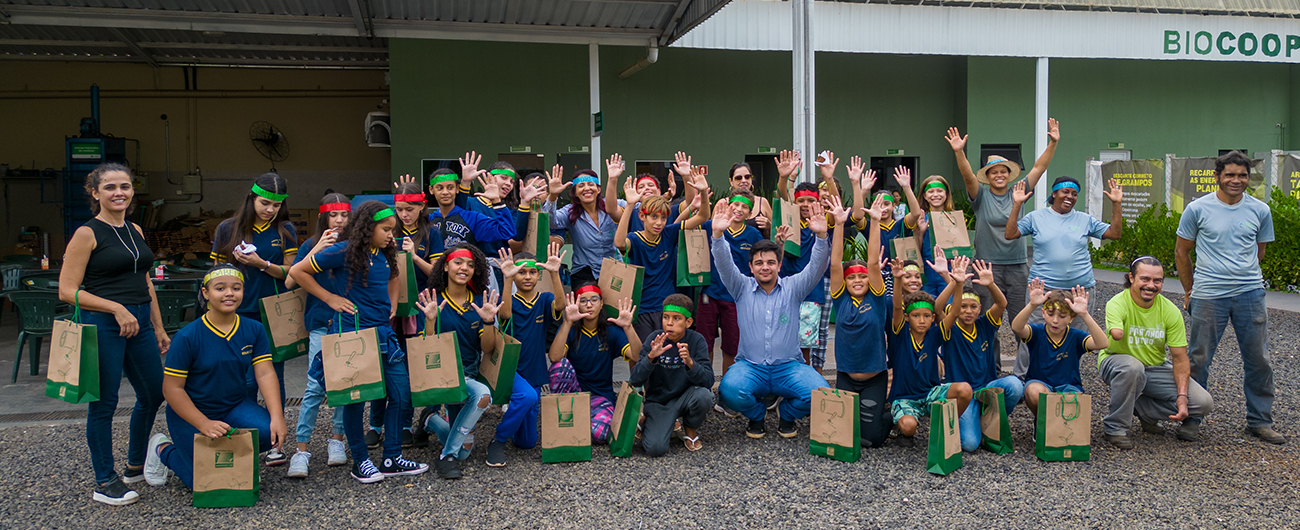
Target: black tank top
{"x":113,"y":271}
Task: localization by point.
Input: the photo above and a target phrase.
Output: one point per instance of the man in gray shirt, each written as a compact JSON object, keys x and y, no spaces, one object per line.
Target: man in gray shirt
{"x":1229,"y":230}
{"x":989,"y":191}
{"x":767,"y":311}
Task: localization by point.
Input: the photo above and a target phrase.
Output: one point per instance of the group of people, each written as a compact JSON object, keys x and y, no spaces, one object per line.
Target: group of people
{"x":931,"y":323}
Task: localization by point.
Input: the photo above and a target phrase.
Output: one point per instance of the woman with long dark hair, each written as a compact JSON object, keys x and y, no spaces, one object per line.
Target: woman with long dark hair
{"x":590,"y":227}
{"x":105,"y":272}
{"x":260,"y":240}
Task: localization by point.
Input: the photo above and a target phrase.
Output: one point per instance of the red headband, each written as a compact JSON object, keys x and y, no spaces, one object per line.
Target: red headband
{"x":409,"y":197}
{"x":806,"y":193}
{"x":333,"y":206}
{"x":855,"y":269}
{"x":644,"y":177}
{"x":462,"y":253}
{"x":586,"y":289}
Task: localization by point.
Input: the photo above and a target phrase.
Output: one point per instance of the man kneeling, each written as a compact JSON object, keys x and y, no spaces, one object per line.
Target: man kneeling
{"x":1142,"y":322}
{"x":678,"y":379}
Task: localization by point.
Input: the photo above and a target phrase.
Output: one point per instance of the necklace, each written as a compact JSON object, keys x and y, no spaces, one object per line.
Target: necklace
{"x":134,"y":251}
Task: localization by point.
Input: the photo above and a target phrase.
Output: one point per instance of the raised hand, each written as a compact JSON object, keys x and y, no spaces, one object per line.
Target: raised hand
{"x":1018,"y":193}
{"x":685,"y":352}
{"x":721,"y":217}
{"x":856,"y":168}
{"x":876,"y":210}
{"x":984,"y":271}
{"x":955,"y":139}
{"x":571,"y":312}
{"x":487,"y":311}
{"x":903,"y":176}
{"x":657,"y":346}
{"x":1037,"y":293}
{"x":1116,"y":192}
{"x":554,"y":257}
{"x":787,"y":163}
{"x":817,"y":219}
{"x":532,"y":191}
{"x":625,"y":310}
{"x":1078,"y":300}
{"x":555,"y":180}
{"x":896,"y":268}
{"x":838,"y":211}
{"x":507,"y":260}
{"x":630,"y":193}
{"x":940,"y":263}
{"x":827,"y":170}
{"x":959,"y":265}
{"x":698,"y":181}
{"x":922,"y":224}
{"x":469,"y":167}
{"x":614,"y":166}
{"x":783,"y":233}
{"x":682,"y":165}
{"x":1053,"y":130}
{"x":672,"y":189}
{"x":403,"y":180}
{"x":428,"y":303}
{"x":491,"y":191}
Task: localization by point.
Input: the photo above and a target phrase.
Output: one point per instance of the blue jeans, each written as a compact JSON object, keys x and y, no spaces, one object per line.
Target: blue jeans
{"x":315,"y":394}
{"x":746,"y":383}
{"x":179,"y":456}
{"x":520,"y":420}
{"x":466,"y":416}
{"x":397,"y":383}
{"x":1012,"y":391}
{"x":1249,"y":317}
{"x":139,"y":358}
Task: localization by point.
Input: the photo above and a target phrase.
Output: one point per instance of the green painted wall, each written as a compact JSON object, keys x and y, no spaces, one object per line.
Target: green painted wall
{"x":1000,"y":105}
{"x":1293,"y":130}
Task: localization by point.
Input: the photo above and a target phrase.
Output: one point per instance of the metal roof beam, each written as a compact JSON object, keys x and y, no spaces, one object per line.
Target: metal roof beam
{"x":360,"y":19}
{"x":192,"y":46}
{"x":135,"y":48}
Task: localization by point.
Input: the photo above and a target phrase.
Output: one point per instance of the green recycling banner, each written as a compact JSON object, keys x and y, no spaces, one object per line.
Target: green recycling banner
{"x":1143,"y":182}
{"x":1193,"y":178}
{"x":1288,"y":178}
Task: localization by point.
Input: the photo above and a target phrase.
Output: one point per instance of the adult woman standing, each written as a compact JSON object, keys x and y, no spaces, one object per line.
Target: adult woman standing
{"x":590,"y":227}
{"x":104,"y":272}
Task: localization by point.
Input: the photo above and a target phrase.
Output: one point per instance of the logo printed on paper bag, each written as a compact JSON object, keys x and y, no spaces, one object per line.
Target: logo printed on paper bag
{"x":616,"y":284}
{"x":355,"y":394}
{"x":432,"y":361}
{"x":224,"y":459}
{"x":63,"y":391}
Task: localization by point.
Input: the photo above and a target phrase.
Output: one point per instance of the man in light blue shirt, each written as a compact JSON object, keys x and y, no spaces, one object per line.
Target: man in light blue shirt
{"x":767,"y":312}
{"x":1229,"y":231}
{"x":1061,"y":238}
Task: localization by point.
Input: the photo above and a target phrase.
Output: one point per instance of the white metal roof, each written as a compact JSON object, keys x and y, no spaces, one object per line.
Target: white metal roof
{"x":321,"y":33}
{"x":1263,"y":8}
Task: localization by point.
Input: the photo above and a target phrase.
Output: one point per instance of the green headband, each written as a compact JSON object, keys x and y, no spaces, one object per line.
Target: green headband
{"x":531,"y":263}
{"x":919,"y":304}
{"x":384,"y":214}
{"x":504,"y":171}
{"x":278,"y":197}
{"x":885,"y":194}
{"x":224,"y":271}
{"x":445,"y":177}
{"x":934,"y":184}
{"x":677,"y":309}
{"x":742,"y":199}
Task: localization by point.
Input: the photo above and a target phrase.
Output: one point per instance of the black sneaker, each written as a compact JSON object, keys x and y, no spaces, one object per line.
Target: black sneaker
{"x":496,"y":454}
{"x":365,"y":472}
{"x":394,"y":467}
{"x":115,"y":493}
{"x":771,"y":400}
{"x":904,"y":440}
{"x":1189,"y":431}
{"x":275,"y":458}
{"x":420,"y":436}
{"x":756,"y":429}
{"x":787,"y":429}
{"x":1121,"y":441}
{"x":373,"y":439}
{"x":448,"y":467}
{"x":408,"y":439}
{"x":131,"y":475}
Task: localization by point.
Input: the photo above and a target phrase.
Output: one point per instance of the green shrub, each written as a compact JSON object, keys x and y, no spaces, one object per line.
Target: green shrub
{"x":1282,"y":257}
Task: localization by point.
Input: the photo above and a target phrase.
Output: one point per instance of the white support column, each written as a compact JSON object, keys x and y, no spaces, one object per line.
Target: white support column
{"x":1040,"y":130}
{"x":593,"y":76}
{"x":804,"y":77}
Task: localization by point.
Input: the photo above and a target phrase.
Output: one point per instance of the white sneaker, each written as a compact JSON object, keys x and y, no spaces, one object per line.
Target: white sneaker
{"x":155,"y":471}
{"x":338,"y":453}
{"x":298,"y":464}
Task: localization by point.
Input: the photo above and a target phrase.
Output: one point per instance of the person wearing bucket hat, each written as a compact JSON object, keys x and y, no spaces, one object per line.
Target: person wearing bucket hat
{"x":989,"y":192}
{"x":1061,"y":241}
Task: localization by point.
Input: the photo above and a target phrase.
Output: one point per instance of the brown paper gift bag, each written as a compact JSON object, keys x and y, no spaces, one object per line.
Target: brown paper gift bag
{"x":437,"y":376}
{"x":537,"y":237}
{"x":1064,"y":427}
{"x":354,"y":371}
{"x":834,"y":430}
{"x":226,"y":470}
{"x":949,"y":233}
{"x":496,"y":368}
{"x":904,"y":248}
{"x":786,"y":213}
{"x":284,"y":317}
{"x":620,"y":280}
{"x":692,"y":258}
{"x":944,"y":454}
{"x":566,"y":427}
{"x":73,"y":373}
{"x":408,"y":289}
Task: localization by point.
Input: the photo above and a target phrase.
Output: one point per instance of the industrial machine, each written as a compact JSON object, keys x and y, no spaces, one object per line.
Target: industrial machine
{"x":84,"y":152}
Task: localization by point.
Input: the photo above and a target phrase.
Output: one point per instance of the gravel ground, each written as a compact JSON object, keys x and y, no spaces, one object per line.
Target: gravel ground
{"x":1227,"y":480}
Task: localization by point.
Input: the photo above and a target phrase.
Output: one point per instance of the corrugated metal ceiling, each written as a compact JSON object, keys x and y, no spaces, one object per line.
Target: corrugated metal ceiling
{"x":338,"y":32}
{"x":1267,"y":8}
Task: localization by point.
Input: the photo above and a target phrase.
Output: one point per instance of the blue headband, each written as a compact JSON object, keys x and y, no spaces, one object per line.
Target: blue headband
{"x":1065,"y":184}
{"x":586,"y":178}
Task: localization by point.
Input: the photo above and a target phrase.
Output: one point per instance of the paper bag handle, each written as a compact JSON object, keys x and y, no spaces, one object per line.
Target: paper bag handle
{"x":356,"y":321}
{"x":76,"y":306}
{"x":1075,"y":400}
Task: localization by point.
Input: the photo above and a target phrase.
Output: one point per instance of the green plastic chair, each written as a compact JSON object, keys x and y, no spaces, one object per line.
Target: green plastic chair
{"x":174,"y":304}
{"x":10,"y":272}
{"x":38,"y":310}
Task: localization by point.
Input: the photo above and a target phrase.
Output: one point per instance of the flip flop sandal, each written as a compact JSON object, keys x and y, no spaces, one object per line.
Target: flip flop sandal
{"x":639,"y":424}
{"x":692,"y":443}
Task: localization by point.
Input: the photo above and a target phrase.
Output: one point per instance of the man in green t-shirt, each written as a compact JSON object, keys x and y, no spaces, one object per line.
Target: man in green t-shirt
{"x":1141,"y":323}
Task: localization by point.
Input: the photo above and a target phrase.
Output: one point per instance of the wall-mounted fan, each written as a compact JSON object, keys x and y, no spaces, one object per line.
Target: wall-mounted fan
{"x":269,"y":141}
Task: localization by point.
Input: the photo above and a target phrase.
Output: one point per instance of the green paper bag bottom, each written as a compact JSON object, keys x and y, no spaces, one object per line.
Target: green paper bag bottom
{"x":835,"y":452}
{"x":439,"y":396}
{"x":568,"y":453}
{"x":356,"y":394}
{"x":294,"y":349}
{"x":225,"y":498}
{"x":68,"y":393}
